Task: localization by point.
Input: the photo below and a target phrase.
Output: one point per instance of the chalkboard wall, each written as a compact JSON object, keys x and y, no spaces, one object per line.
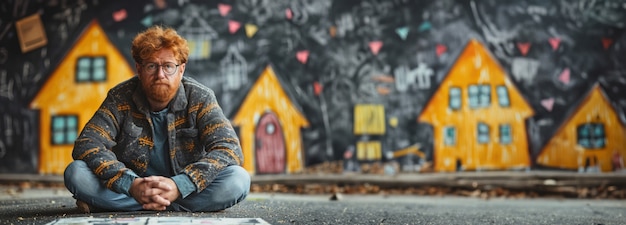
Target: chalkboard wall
{"x":331,"y":55}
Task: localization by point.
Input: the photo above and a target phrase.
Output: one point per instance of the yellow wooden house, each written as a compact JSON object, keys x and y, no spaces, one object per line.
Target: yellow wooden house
{"x":73,"y":92}
{"x":269,"y":128}
{"x":478,"y":116}
{"x":592,"y":136}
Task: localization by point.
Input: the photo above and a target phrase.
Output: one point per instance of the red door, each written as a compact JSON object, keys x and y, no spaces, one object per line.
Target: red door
{"x":269,"y":145}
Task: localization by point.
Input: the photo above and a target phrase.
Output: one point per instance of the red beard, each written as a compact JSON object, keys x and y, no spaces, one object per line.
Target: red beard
{"x":160,"y":92}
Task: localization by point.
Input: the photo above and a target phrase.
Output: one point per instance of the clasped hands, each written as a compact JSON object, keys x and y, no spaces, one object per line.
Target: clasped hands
{"x":154,"y":192}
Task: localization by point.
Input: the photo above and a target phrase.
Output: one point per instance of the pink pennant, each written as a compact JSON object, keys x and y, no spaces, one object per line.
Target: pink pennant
{"x":554,"y":42}
{"x":440,"y":49}
{"x":224,"y":9}
{"x":606,"y":43}
{"x":523,"y":47}
{"x":289,"y":14}
{"x":161,"y":4}
{"x":302,"y":56}
{"x":119,"y":15}
{"x":233,"y":26}
{"x":565,"y":76}
{"x":317,"y":88}
{"x":548,"y":104}
{"x":375,"y":46}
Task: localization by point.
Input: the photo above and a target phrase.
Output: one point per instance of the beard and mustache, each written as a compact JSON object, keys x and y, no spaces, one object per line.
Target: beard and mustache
{"x":159,"y":91}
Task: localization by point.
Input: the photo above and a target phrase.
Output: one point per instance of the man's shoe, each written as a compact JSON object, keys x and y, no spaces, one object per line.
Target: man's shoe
{"x":83,"y":207}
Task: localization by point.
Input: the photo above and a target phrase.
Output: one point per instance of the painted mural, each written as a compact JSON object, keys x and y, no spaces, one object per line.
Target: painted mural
{"x":73,"y":93}
{"x":414,"y":86}
{"x":478,"y":116}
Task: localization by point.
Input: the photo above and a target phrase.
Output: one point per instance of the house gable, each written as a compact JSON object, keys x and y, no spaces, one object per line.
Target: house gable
{"x":476,"y":123}
{"x":267,"y":95}
{"x":61,"y":94}
{"x":564,"y":151}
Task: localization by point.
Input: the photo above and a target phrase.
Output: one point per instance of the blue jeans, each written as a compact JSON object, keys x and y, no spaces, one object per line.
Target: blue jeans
{"x":230,"y":187}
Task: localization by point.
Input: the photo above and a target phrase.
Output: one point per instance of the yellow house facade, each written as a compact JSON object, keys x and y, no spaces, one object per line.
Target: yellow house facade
{"x":478,"y":116}
{"x":73,"y":92}
{"x":591,"y":137}
{"x":269,"y":128}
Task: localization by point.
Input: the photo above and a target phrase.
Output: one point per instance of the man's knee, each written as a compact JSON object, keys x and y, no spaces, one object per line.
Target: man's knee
{"x":239,"y":180}
{"x":72,"y":170}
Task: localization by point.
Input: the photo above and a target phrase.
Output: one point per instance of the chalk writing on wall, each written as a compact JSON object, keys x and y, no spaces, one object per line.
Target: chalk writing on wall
{"x":330,"y":57}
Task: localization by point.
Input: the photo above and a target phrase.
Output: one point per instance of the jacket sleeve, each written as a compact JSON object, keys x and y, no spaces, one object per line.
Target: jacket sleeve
{"x":220,"y":142}
{"x":95,"y":142}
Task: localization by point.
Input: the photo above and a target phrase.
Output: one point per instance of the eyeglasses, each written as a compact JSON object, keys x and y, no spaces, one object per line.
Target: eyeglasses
{"x":168,"y":68}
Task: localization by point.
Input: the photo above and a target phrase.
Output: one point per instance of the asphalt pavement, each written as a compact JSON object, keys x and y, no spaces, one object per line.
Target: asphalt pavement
{"x":41,"y":204}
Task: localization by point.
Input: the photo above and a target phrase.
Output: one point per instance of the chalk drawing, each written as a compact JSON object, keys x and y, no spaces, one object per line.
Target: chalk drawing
{"x":234,"y":68}
{"x":9,"y":133}
{"x":524,"y":69}
{"x":345,"y":24}
{"x":198,"y":33}
{"x":300,"y":16}
{"x":6,"y":85}
{"x":423,"y":74}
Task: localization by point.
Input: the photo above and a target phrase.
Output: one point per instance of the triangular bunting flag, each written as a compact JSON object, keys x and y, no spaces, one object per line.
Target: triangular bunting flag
{"x":288,"y":14}
{"x":424,"y":26}
{"x":606,"y":43}
{"x":224,"y":9}
{"x":332,"y":31}
{"x":317,"y":88}
{"x":233,"y":26}
{"x":403,"y":32}
{"x":554,"y":42}
{"x":523,"y":47}
{"x":147,"y":21}
{"x":120,"y":15}
{"x":251,"y":29}
{"x":548,"y":104}
{"x":565,"y":76}
{"x":375,"y":46}
{"x":440,"y":49}
{"x":302,"y":56}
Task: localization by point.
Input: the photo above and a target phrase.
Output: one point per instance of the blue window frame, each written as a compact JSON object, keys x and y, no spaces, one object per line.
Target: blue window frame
{"x":591,"y":135}
{"x":91,"y":69}
{"x":64,"y":129}
{"x":483,"y":133}
{"x":506,"y":136}
{"x":455,"y":98}
{"x":503,"y":96}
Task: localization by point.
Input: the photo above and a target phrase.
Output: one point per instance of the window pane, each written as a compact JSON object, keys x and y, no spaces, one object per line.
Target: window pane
{"x":84,"y":63}
{"x":505,"y":134}
{"x":455,"y":103}
{"x":473,"y":90}
{"x":485,"y":95}
{"x":71,"y":136}
{"x":455,"y":98}
{"x":99,"y":62}
{"x":584,"y":142}
{"x":71,"y":122}
{"x":449,"y":136}
{"x":98,"y":74}
{"x":483,"y":133}
{"x":583,"y":131}
{"x":58,"y":138}
{"x":58,"y":123}
{"x":598,"y":130}
{"x":503,"y":96}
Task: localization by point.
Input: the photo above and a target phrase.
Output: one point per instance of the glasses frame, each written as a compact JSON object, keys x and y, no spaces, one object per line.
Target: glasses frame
{"x":161,"y":66}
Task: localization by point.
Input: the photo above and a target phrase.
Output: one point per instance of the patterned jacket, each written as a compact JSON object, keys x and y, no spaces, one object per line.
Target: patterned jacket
{"x":119,"y":136}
